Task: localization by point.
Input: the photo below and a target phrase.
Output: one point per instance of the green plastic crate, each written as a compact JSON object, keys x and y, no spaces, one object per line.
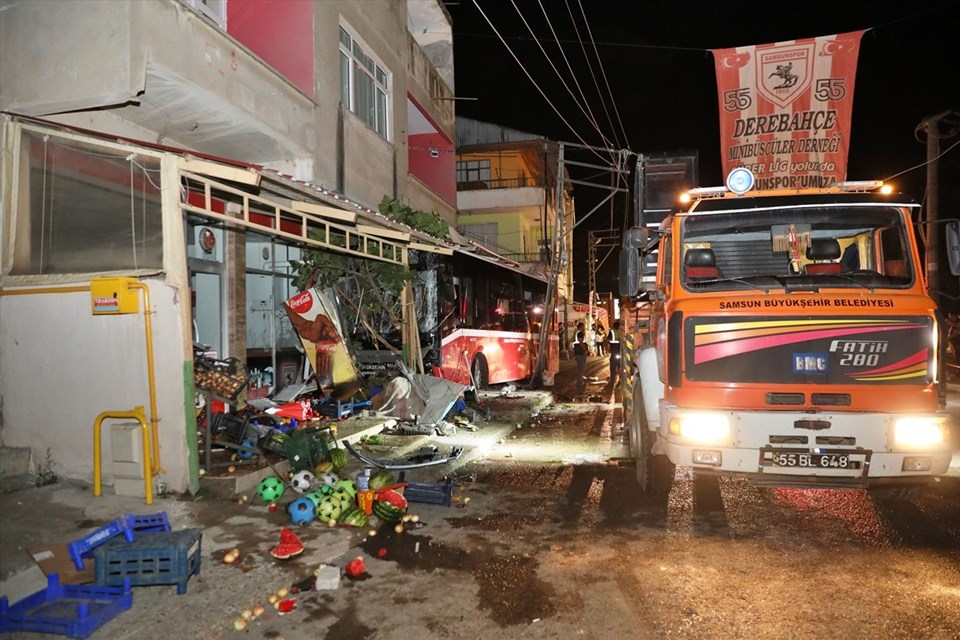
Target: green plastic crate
{"x":306,"y":448}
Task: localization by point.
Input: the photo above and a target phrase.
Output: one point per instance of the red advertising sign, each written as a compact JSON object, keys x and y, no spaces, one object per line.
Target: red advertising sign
{"x":785,"y":109}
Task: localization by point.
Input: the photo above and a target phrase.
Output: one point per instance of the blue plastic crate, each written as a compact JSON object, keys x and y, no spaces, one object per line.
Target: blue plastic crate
{"x":151,"y":522}
{"x":156,"y":557}
{"x":67,"y":610}
{"x":81,"y":548}
{"x":429,"y":493}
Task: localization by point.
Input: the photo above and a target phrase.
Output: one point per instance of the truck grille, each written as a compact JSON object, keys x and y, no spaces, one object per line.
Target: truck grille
{"x":833,"y":399}
{"x":785,"y":398}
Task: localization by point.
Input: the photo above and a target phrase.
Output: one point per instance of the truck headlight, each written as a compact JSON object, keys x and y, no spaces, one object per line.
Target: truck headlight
{"x":915,"y":432}
{"x":701,"y":427}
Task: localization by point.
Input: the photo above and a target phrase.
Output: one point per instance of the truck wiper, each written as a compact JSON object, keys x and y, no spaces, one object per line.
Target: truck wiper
{"x":738,"y":280}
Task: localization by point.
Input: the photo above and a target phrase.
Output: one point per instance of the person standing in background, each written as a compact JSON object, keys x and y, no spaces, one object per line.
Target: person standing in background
{"x":580,"y":351}
{"x":613,"y":339}
{"x":599,"y":336}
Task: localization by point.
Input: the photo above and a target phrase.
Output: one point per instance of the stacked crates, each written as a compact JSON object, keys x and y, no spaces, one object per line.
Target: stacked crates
{"x":155,"y":557}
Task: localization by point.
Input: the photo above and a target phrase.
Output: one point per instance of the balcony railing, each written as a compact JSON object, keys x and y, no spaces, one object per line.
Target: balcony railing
{"x":497,"y":183}
{"x":543,"y":256}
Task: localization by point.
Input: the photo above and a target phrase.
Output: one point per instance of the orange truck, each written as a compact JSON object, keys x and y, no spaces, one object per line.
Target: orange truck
{"x":791,"y":341}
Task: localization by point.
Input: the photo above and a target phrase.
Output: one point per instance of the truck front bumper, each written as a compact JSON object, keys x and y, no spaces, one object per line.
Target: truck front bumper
{"x":803,"y":449}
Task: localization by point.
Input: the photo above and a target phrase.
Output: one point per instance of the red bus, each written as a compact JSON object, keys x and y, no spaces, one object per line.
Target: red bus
{"x":490,"y":315}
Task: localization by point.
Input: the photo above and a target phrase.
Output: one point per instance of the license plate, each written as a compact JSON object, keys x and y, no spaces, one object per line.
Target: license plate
{"x":814,"y":460}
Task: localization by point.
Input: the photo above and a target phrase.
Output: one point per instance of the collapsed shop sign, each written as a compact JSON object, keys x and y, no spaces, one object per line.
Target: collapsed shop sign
{"x":315,"y":319}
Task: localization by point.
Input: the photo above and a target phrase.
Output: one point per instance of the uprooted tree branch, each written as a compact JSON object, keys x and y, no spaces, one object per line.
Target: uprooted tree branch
{"x":371,"y":289}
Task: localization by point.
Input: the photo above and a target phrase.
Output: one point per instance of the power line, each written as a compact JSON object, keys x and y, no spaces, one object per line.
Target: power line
{"x":585,"y":111}
{"x":603,"y":73}
{"x":534,"y":82}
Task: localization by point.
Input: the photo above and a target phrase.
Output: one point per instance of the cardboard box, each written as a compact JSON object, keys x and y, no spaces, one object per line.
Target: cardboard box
{"x":54,"y":558}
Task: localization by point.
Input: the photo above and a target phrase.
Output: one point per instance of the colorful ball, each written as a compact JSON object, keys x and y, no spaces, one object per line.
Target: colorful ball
{"x":329,"y":478}
{"x":329,"y":508}
{"x":271,"y":489}
{"x":347,"y":486}
{"x":247,"y":449}
{"x":302,"y":481}
{"x":302,"y":510}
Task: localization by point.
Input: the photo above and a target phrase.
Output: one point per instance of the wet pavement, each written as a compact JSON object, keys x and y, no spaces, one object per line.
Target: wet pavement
{"x":547,"y":536}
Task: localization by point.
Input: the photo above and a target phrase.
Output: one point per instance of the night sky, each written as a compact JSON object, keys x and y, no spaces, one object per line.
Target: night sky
{"x":661,"y":76}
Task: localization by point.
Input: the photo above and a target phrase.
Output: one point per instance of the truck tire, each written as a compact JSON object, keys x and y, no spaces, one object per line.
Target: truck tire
{"x":654,"y":473}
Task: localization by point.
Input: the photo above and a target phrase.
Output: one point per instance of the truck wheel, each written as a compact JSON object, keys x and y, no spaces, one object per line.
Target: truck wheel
{"x":654,"y":473}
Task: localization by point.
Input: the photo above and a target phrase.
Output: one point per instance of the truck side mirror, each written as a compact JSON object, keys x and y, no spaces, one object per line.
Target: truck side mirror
{"x":636,"y":238}
{"x":952,"y":235}
{"x":629,"y":272}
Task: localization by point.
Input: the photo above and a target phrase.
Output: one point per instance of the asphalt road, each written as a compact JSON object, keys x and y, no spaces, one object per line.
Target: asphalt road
{"x":548,"y":537}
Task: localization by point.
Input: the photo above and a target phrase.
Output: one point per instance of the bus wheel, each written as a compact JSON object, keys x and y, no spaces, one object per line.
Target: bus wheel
{"x":479,"y":372}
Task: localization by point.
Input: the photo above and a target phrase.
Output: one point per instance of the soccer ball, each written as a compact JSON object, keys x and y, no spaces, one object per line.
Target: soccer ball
{"x":271,"y":489}
{"x":329,"y":479}
{"x":329,"y":508}
{"x":302,"y":481}
{"x":302,"y":510}
{"x":348,"y":487}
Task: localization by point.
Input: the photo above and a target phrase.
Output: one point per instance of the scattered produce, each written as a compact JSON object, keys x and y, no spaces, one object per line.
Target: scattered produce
{"x":389,"y":506}
{"x":355,"y":567}
{"x":289,"y":546}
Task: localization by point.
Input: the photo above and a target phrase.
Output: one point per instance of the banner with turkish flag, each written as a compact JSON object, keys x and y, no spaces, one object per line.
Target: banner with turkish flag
{"x":785,"y":109}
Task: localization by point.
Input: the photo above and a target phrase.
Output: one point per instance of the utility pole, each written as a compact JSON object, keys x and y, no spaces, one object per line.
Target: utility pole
{"x":558,"y":257}
{"x":932,"y":250}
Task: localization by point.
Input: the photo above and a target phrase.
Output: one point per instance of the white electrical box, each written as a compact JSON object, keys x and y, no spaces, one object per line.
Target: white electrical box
{"x":126,"y":447}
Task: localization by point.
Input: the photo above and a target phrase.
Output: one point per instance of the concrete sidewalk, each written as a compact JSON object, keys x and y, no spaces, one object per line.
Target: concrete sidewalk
{"x":66,"y":511}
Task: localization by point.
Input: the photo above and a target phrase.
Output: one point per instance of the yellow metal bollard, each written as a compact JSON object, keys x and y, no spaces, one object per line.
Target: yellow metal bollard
{"x":138,"y":415}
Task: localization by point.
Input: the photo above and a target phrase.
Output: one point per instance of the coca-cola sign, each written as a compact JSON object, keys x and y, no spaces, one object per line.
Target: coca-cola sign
{"x":301,"y":303}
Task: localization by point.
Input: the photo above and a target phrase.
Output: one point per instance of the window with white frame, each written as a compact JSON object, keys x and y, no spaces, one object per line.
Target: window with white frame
{"x":364,"y":83}
{"x":215,"y":10}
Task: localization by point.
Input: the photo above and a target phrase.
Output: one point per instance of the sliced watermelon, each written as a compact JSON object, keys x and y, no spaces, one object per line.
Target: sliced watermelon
{"x":389,"y":506}
{"x":290,"y":545}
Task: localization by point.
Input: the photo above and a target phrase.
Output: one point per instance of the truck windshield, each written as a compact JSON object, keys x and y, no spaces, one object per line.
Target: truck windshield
{"x":795,"y":248}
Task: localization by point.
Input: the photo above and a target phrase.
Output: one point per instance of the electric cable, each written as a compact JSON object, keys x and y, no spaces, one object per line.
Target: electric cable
{"x":534,"y":82}
{"x":603,"y":73}
{"x":585,"y":106}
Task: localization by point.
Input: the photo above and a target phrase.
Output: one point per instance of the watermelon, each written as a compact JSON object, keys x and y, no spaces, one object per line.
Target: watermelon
{"x":354,"y":518}
{"x":381,"y":479}
{"x":338,"y":458}
{"x":289,"y":546}
{"x":389,"y":506}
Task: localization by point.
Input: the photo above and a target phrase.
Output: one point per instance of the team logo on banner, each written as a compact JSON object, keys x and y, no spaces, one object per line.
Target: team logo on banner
{"x":784,"y":73}
{"x":785,"y":109}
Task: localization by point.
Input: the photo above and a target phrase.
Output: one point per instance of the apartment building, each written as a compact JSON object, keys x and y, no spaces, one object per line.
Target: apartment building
{"x":186,"y":151}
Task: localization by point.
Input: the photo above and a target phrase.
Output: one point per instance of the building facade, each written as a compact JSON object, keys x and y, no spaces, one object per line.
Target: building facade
{"x":192,"y":148}
{"x":507,"y":197}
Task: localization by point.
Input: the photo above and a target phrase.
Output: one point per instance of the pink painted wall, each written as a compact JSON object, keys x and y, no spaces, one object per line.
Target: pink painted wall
{"x":280,"y":32}
{"x":440,"y":173}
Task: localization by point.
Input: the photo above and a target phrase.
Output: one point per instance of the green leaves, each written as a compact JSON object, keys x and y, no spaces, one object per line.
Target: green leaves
{"x":430,"y":223}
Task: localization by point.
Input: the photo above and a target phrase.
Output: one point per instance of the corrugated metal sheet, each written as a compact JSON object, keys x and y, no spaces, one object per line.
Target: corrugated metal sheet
{"x":474,"y":132}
